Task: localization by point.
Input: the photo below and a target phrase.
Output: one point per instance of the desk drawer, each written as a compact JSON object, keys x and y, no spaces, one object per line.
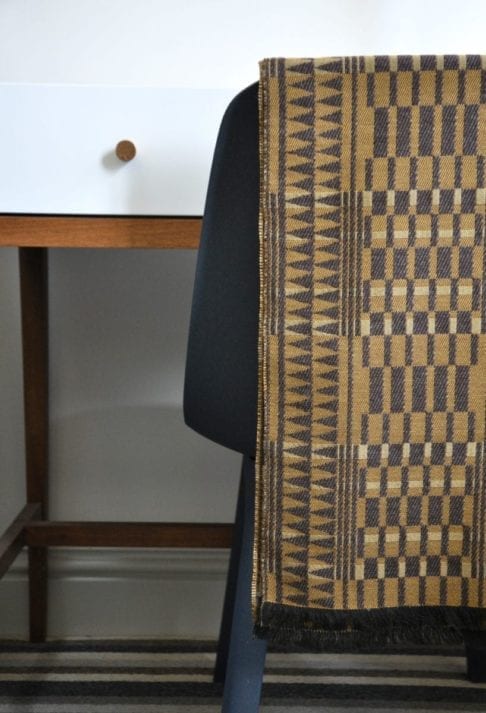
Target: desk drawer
{"x":58,"y":152}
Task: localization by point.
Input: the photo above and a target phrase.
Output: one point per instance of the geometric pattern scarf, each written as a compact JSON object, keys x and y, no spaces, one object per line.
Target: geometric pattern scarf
{"x":371,"y":487}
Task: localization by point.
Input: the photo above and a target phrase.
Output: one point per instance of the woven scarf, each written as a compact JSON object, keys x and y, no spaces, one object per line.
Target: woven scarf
{"x":370,"y":486}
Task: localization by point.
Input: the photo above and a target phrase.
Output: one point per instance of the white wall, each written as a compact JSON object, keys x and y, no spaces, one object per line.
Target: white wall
{"x":119,"y":319}
{"x":216,"y":43}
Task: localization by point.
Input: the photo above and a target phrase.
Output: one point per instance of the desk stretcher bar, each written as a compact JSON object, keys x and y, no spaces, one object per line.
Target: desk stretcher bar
{"x":127,"y":534}
{"x":13,"y":539}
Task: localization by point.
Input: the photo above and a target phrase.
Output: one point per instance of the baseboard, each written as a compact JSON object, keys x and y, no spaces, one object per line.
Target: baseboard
{"x":122,"y":593}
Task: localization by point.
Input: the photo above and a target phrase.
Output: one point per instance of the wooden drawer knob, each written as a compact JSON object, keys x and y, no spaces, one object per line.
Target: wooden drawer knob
{"x":125,"y":150}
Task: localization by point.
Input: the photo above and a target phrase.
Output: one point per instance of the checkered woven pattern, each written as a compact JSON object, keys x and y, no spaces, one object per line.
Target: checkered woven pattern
{"x":371,"y":489}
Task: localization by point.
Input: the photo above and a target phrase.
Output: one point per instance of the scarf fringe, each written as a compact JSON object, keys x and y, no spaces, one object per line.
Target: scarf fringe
{"x":316,"y":628}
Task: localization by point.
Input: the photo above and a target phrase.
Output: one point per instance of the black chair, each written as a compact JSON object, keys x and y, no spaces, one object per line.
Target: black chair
{"x":220,"y":399}
{"x":221,"y":373}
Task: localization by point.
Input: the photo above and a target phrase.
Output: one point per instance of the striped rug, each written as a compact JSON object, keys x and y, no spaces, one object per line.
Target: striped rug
{"x":176,"y":677}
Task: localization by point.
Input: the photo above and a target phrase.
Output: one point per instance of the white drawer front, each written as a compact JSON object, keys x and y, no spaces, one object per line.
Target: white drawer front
{"x":59,"y":149}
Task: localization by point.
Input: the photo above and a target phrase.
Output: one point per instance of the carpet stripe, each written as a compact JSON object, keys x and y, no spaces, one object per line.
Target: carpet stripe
{"x":182,"y":646}
{"x":207,"y":659}
{"x":343,"y":678}
{"x":281,"y":673}
{"x":168,"y":690}
{"x":216,"y":708}
{"x":166,"y":679}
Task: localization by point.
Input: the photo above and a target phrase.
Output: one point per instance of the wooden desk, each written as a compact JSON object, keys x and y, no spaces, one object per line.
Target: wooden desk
{"x":33,"y":235}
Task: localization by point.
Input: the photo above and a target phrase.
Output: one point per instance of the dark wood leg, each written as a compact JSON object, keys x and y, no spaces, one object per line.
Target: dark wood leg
{"x":475,"y":642}
{"x":34,"y":310}
{"x":38,"y":593}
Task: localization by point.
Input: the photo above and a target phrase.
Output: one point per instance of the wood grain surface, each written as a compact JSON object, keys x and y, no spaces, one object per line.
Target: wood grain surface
{"x":128,"y":534}
{"x":99,"y":231}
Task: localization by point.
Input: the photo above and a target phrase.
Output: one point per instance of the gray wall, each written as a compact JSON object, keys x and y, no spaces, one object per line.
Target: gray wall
{"x":120,"y":450}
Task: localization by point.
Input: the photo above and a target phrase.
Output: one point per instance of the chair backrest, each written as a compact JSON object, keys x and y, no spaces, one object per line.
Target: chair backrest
{"x":220,"y":394}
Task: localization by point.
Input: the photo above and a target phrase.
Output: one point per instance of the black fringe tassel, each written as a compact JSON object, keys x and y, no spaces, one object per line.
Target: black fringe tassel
{"x":313,"y":629}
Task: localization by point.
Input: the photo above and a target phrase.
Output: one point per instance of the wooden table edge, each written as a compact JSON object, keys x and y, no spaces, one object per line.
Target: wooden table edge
{"x":79,"y":231}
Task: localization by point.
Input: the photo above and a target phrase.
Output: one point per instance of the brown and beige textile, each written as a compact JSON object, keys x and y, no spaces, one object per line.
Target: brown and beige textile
{"x":371,"y":487}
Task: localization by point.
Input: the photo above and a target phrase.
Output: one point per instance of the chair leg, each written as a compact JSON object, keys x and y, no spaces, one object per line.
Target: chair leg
{"x":230,"y":591}
{"x":475,"y":642}
{"x":246,"y":657}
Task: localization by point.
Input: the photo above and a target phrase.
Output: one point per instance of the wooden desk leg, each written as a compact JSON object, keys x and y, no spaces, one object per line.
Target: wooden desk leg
{"x":34,"y":310}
